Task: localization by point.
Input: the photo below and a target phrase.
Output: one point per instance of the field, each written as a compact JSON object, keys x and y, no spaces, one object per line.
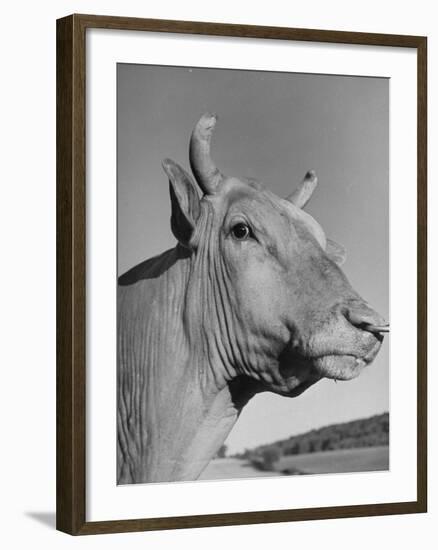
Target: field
{"x":232,"y":468}
{"x":343,"y":460}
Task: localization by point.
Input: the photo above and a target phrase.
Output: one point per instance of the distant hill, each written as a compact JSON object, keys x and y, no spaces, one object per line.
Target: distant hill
{"x":366,"y":432}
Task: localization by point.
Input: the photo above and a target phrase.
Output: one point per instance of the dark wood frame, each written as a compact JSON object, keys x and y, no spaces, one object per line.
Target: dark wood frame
{"x":71,"y":231}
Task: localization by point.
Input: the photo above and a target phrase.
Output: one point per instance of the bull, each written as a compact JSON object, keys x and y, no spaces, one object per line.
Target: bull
{"x":251,"y":299}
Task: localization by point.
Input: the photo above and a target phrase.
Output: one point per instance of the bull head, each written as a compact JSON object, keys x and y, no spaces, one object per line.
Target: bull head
{"x":266,"y":297}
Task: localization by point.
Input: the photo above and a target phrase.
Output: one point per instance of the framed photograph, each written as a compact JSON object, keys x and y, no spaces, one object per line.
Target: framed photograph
{"x":241,"y":274}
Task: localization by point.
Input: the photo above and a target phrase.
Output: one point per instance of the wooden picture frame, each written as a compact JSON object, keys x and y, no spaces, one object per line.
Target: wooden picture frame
{"x":71,"y":273}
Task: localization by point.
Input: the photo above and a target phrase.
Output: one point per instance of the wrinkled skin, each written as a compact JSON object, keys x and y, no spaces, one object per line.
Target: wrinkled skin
{"x":250,"y":300}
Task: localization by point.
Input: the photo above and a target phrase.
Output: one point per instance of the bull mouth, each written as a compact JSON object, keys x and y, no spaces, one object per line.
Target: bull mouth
{"x":300,"y":371}
{"x":340,"y":367}
{"x":345,"y":366}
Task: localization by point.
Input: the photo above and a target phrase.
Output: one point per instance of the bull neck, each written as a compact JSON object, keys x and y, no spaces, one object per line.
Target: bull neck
{"x":176,"y":405}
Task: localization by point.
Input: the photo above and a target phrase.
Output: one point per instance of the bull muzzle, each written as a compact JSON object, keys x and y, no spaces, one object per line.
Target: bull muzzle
{"x":360,"y":315}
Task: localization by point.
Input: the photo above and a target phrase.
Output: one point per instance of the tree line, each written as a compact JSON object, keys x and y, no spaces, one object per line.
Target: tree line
{"x":366,"y":432}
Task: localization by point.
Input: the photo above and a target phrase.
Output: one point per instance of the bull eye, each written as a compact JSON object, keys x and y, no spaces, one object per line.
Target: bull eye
{"x":241,"y":231}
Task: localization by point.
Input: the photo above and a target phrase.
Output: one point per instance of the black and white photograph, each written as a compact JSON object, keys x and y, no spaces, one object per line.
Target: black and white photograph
{"x":218,"y":280}
{"x":253,"y":274}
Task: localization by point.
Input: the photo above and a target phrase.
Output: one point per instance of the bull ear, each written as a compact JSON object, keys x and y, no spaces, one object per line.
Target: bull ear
{"x":185,"y":202}
{"x":336,"y":252}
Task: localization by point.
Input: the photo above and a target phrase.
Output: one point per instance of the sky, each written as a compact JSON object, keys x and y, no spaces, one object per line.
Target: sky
{"x":274,"y":127}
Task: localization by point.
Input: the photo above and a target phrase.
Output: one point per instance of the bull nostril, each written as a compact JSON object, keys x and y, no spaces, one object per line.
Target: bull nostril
{"x":363,"y":317}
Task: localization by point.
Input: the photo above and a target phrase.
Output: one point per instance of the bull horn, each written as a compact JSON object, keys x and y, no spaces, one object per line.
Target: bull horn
{"x":301,"y":196}
{"x":203,"y":167}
